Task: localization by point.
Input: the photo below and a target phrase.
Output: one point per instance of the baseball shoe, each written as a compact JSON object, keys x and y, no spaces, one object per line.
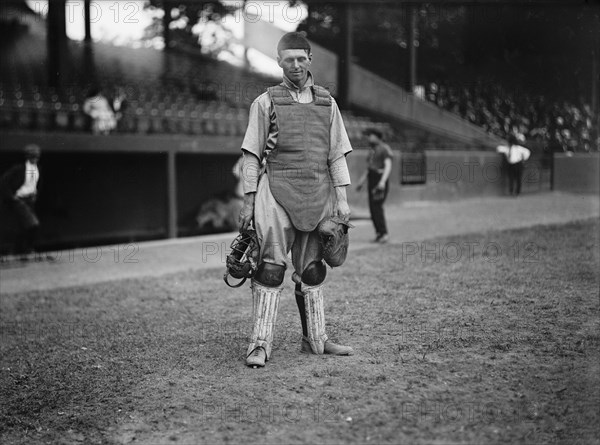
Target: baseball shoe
{"x":383,"y":239}
{"x":257,"y":358}
{"x":330,"y":348}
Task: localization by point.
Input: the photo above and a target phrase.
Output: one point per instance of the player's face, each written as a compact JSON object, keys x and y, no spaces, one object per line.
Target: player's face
{"x":373,"y":140}
{"x":295,"y":64}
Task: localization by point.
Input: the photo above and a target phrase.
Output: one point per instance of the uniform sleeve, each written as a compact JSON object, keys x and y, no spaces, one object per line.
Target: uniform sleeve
{"x":257,"y":132}
{"x":249,"y":172}
{"x":339,"y":173}
{"x":387,"y":152}
{"x":339,"y":142}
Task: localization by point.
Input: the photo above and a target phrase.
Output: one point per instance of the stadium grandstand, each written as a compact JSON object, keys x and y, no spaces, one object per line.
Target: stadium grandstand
{"x":184,"y":113}
{"x":172,"y":92}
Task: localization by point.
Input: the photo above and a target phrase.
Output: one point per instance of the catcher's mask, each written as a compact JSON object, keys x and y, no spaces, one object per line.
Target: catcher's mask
{"x":242,"y":262}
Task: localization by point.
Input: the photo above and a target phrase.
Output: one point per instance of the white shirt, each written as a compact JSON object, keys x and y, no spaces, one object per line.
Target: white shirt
{"x":98,"y":107}
{"x":32,"y":175}
{"x":514,"y":154}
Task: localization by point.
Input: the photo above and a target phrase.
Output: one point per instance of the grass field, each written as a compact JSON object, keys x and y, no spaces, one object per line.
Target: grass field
{"x":481,"y":338}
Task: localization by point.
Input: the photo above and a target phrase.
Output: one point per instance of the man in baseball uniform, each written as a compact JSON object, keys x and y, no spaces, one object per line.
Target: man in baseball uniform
{"x":379,"y":167}
{"x":294,"y":175}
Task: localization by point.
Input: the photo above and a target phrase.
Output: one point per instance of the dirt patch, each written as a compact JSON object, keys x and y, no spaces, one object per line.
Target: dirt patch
{"x":489,"y":337}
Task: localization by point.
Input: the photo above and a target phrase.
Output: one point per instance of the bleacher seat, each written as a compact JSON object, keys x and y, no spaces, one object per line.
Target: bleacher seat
{"x":165,"y":92}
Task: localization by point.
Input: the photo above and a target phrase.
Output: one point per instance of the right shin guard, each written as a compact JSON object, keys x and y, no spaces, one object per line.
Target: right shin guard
{"x":265,"y":301}
{"x":315,"y":317}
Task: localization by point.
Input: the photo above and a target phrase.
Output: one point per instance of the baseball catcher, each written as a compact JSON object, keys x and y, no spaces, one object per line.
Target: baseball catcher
{"x":297,"y":137}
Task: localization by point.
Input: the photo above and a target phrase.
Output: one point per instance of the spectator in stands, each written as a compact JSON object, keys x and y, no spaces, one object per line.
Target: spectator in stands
{"x":379,"y":167}
{"x":119,"y":103}
{"x":18,"y":189}
{"x":562,"y":125}
{"x":103,"y":117}
{"x":515,"y":156}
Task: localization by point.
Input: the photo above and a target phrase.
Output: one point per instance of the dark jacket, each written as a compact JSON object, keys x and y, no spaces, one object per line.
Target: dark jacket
{"x":12,"y":180}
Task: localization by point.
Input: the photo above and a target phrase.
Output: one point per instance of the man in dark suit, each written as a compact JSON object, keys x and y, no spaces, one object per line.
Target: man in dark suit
{"x":18,"y":188}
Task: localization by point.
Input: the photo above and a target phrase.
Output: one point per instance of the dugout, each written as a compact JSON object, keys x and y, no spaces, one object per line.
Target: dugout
{"x":122,"y":188}
{"x":97,"y":190}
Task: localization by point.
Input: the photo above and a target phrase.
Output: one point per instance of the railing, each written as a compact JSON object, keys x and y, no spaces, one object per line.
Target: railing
{"x":412,"y":168}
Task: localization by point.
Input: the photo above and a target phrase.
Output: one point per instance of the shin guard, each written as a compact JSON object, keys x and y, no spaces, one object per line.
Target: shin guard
{"x":315,"y":317}
{"x":265,"y":301}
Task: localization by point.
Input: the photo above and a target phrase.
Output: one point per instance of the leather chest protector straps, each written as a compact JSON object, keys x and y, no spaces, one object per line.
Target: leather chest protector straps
{"x":298,"y":164}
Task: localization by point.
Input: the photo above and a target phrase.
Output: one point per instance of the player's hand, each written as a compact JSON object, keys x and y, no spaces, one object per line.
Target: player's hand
{"x":247,"y":212}
{"x":342,"y":209}
{"x":380,"y":186}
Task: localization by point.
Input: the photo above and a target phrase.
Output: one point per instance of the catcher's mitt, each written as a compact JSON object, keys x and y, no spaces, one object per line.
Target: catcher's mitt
{"x":335,"y":240}
{"x":242,"y":261}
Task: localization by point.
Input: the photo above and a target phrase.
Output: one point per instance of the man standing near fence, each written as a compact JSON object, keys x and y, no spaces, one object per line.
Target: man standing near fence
{"x":296,"y":136}
{"x":515,"y":156}
{"x":379,"y":167}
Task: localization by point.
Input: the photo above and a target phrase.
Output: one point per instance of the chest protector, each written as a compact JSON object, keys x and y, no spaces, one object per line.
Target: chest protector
{"x":297,"y":165}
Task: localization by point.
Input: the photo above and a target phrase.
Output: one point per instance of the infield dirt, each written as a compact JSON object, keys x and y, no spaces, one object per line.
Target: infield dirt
{"x":490,"y":337}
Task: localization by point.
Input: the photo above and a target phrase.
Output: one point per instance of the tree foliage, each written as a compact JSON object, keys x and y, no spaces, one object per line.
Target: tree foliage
{"x":187,"y":18}
{"x":467,"y":40}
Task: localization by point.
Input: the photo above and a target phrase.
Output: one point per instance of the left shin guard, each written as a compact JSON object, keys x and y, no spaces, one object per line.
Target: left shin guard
{"x":301,"y":308}
{"x":315,"y":317}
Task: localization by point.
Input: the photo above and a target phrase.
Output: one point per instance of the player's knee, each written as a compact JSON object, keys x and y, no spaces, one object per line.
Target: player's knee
{"x":314,"y":273}
{"x":270,"y":274}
